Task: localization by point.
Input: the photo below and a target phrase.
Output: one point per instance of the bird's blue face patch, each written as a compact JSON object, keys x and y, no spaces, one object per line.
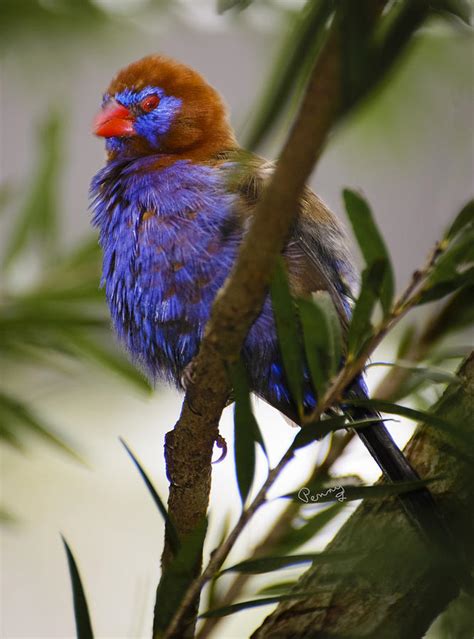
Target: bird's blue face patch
{"x":153,"y":111}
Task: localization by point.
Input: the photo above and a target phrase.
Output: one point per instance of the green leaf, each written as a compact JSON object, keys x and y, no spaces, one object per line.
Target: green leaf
{"x":465,"y":218}
{"x":406,"y":341}
{"x":282,"y":587}
{"x":246,"y":431}
{"x":314,"y":432}
{"x":457,"y":282}
{"x":299,"y":50}
{"x":269,"y":564}
{"x":322,"y":339}
{"x":245,"y":605}
{"x":16,"y":415}
{"x":459,"y":254}
{"x":320,"y":493}
{"x":178,"y":576}
{"x":371,"y":243}
{"x":288,"y":331}
{"x":109,"y":360}
{"x":225,"y":5}
{"x":360,"y":328}
{"x":296,"y":537}
{"x":38,"y":218}
{"x":422,"y":373}
{"x":457,"y":314}
{"x":461,"y":9}
{"x":81,"y":610}
{"x":427,"y":418}
{"x":171,"y":533}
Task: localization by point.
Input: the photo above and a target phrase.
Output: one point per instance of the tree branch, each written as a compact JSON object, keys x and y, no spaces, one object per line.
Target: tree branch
{"x":188,"y":447}
{"x":392,"y":587}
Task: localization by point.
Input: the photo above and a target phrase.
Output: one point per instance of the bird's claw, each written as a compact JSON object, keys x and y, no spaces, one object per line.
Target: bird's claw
{"x":188,"y":378}
{"x":222,"y":444}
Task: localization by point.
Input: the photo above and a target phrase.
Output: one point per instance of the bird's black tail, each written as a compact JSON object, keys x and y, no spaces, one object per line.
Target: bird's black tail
{"x":419,"y":503}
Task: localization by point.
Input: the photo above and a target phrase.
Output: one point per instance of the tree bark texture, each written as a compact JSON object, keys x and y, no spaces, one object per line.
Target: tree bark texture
{"x":392,"y":587}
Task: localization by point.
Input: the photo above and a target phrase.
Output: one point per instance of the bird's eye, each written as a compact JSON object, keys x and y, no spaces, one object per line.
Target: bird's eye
{"x":149,"y":103}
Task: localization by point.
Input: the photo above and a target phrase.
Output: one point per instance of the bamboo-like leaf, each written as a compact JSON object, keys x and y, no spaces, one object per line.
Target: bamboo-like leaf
{"x":38,"y":219}
{"x":457,"y":314}
{"x":461,"y":433}
{"x":320,"y":493}
{"x":103,"y":356}
{"x":456,"y":257}
{"x":81,"y":610}
{"x":361,"y":329}
{"x":322,"y":339}
{"x":464,"y":219}
{"x":246,"y":431}
{"x":423,"y":373}
{"x":225,"y":5}
{"x":288,"y":331}
{"x":371,"y":243}
{"x":461,"y":9}
{"x":178,"y":575}
{"x":406,"y":341}
{"x":15,"y":413}
{"x":299,"y":49}
{"x":283,"y":587}
{"x":269,"y":564}
{"x":296,"y":537}
{"x":254,"y":603}
{"x":171,"y":533}
{"x":323,"y":300}
{"x":457,"y":282}
{"x":314,"y":432}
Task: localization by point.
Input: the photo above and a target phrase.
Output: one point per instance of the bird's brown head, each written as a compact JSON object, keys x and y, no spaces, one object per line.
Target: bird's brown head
{"x":159,"y":106}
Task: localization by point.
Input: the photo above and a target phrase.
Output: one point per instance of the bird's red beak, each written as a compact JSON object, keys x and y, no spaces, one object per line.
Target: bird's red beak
{"x":114,"y":120}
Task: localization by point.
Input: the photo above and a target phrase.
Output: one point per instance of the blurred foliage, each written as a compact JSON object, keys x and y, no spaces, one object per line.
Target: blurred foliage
{"x":61,"y":313}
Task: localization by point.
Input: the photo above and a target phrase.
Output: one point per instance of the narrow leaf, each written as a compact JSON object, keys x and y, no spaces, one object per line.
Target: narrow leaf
{"x":245,"y":605}
{"x":320,"y":493}
{"x":297,"y":54}
{"x":288,"y":331}
{"x":465,"y":218}
{"x":457,"y":282}
{"x":371,"y":243}
{"x":269,"y":564}
{"x":322,"y":340}
{"x":246,"y":431}
{"x":118,"y":364}
{"x":171,"y":533}
{"x":462,"y":434}
{"x":296,"y":537}
{"x":225,"y":5}
{"x":38,"y":218}
{"x":15,"y":412}
{"x":314,"y":432}
{"x":81,"y":610}
{"x":361,"y":329}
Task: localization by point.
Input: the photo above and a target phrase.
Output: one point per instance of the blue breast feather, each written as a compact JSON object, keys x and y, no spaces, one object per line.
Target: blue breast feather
{"x":169,"y":238}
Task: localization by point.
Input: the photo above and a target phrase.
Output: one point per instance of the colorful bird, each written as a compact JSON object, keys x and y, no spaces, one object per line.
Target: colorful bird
{"x":172,"y":205}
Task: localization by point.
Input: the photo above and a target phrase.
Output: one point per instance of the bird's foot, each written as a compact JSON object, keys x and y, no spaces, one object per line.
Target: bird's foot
{"x":222,"y":444}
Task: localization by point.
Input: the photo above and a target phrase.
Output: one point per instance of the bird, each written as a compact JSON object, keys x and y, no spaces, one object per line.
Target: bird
{"x":172,"y":205}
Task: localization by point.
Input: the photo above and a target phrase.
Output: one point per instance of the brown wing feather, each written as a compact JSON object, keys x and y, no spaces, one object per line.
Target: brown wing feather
{"x":317,"y":255}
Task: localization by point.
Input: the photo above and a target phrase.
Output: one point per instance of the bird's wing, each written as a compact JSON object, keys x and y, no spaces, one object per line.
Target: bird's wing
{"x":317,"y":255}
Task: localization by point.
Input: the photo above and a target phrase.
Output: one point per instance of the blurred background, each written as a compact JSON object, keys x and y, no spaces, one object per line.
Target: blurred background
{"x":66,"y":391}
